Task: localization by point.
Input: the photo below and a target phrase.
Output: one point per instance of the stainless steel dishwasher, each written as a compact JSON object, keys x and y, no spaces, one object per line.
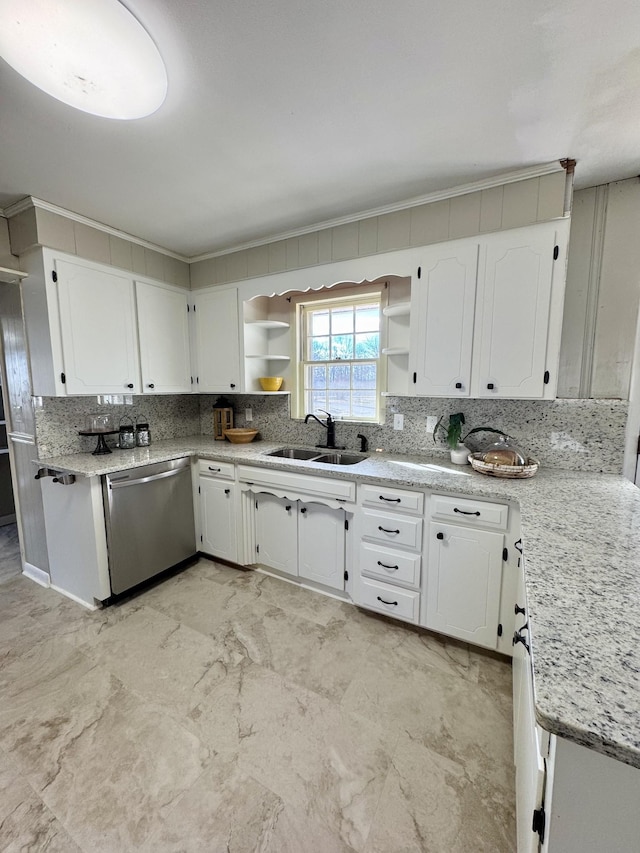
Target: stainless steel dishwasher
{"x":149,"y":520}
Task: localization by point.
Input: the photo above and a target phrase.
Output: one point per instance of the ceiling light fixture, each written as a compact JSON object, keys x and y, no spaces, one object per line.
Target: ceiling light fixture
{"x":91,"y":54}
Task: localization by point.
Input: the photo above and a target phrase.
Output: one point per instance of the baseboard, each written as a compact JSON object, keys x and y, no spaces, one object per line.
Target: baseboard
{"x":75,"y":598}
{"x":35,"y":574}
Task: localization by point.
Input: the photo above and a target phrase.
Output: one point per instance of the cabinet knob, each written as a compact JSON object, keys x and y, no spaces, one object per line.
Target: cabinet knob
{"x":303,"y":509}
{"x":490,"y":386}
{"x":151,"y":385}
{"x":227,"y":491}
{"x":129,"y":384}
{"x":232,"y":385}
{"x":458,"y":385}
{"x":440,"y":535}
{"x":519,"y":610}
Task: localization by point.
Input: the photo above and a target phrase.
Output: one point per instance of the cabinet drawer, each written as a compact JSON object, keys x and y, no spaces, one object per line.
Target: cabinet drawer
{"x":391,"y":566}
{"x":392,"y":529}
{"x":478,"y":513}
{"x":223,"y":470}
{"x":385,"y":598}
{"x":390,"y":499}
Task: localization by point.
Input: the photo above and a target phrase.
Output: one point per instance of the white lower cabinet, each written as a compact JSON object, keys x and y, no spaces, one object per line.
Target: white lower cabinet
{"x":218,"y":514}
{"x":464,"y":576}
{"x":321,"y":544}
{"x":276,"y":522}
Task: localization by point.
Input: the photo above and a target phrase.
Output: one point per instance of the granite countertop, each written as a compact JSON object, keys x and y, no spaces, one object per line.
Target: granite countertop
{"x":581,"y":537}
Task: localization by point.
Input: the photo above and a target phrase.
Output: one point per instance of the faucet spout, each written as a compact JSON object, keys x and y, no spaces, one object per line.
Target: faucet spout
{"x":330,"y":426}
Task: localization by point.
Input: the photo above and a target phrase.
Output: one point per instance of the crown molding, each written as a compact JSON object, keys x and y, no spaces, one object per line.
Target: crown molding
{"x":31,"y":201}
{"x":439,"y":195}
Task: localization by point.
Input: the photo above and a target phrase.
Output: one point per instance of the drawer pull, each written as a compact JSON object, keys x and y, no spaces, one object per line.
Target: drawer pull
{"x":217,"y":470}
{"x":464,"y":512}
{"x":391,"y":500}
{"x":384,"y":530}
{"x":385,"y":566}
{"x":519,"y":610}
{"x":395,"y":603}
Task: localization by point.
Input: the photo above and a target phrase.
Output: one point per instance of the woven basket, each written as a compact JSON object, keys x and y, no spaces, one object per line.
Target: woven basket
{"x":513,"y":472}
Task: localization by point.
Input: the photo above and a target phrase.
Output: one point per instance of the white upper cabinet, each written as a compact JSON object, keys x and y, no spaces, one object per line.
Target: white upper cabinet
{"x":514,"y":295}
{"x":97,"y":323}
{"x":442,"y":312}
{"x":486,"y":316}
{"x":217,"y":341}
{"x":163,"y":326}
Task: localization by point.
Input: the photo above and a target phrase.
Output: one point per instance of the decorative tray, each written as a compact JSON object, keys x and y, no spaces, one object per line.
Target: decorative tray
{"x":514,"y":472}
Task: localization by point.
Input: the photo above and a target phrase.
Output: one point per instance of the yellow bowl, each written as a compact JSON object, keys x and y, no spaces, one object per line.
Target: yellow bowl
{"x":240,"y":435}
{"x":271,"y":383}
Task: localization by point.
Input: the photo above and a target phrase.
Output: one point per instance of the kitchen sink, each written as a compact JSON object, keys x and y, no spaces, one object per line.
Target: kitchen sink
{"x":339,"y":458}
{"x":294,"y":453}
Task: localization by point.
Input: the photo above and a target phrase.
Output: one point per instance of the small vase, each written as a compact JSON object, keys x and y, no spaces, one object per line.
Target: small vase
{"x":460,"y":455}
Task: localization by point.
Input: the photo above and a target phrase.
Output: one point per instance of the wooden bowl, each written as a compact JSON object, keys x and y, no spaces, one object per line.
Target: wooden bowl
{"x":270,"y":383}
{"x":240,"y":435}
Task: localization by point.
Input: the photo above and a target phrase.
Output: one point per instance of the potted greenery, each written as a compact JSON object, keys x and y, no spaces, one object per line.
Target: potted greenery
{"x":452,"y":434}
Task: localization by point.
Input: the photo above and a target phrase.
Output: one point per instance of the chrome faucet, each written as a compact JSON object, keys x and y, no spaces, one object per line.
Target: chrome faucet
{"x":330,"y":426}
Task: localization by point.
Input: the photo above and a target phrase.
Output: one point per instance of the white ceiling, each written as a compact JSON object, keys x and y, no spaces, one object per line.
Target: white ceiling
{"x":285,"y":113}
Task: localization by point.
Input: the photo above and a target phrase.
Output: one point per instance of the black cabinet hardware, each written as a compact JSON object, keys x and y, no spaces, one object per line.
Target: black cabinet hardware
{"x":395,"y":603}
{"x":364,"y":442}
{"x":505,"y":554}
{"x":519,"y":609}
{"x":346,"y":575}
{"x":385,"y":566}
{"x":539,"y":818}
{"x":63,"y":378}
{"x":419,"y":272}
{"x":490,"y":386}
{"x":384,"y":530}
{"x":440,"y":535}
{"x":466,"y":512}
{"x":458,"y":385}
{"x":151,"y":385}
{"x":232,"y":385}
{"x":288,"y":507}
{"x":129,"y":384}
{"x":303,"y":509}
{"x":390,"y":500}
{"x":500,"y":629}
{"x":227,"y":491}
{"x":518,"y":638}
{"x":54,"y":276}
{"x":216,"y":470}
{"x":546,"y":377}
{"x":415,"y":378}
{"x":518,"y":545}
{"x":556,"y":252}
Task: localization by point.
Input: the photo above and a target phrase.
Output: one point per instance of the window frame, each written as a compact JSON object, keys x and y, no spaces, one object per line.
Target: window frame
{"x":331,"y":299}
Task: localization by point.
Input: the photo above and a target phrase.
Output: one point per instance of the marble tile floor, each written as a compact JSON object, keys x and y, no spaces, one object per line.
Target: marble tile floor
{"x":225,"y":710}
{"x":10,"y":562}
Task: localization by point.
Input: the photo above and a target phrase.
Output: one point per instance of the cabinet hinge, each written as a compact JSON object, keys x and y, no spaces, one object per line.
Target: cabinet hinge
{"x":63,"y":378}
{"x":415,"y":378}
{"x":257,"y":549}
{"x":500,"y":629}
{"x":546,"y":377}
{"x":419,"y":272}
{"x":199,"y":490}
{"x":505,"y":554}
{"x":54,"y":276}
{"x":346,"y":524}
{"x":197,"y":380}
{"x":256,"y":504}
{"x":192,"y":380}
{"x":188,"y":308}
{"x":346,"y":575}
{"x":539,"y":822}
{"x":194,"y":308}
{"x":556,"y":252}
{"x":201,"y":539}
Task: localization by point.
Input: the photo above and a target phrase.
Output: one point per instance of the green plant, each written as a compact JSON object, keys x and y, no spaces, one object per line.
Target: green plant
{"x":452,"y":433}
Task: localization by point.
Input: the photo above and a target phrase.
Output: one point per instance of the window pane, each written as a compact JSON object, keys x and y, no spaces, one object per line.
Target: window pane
{"x":341,"y":320}
{"x":342,"y":346}
{"x":339,"y":375}
{"x":339,"y":403}
{"x":364,"y":404}
{"x":316,"y":400}
{"x":316,"y":377}
{"x":364,"y":376}
{"x":319,"y":323}
{"x":318,"y":349}
{"x":368,"y":345}
{"x":367,"y":318}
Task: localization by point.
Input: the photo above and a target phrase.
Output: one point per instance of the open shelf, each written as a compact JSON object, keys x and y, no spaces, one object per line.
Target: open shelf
{"x":9,"y":276}
{"x":268,"y":324}
{"x":400,"y":309}
{"x":270,"y":357}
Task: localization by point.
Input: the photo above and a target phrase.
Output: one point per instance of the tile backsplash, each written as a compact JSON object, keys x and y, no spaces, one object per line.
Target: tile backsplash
{"x":582,"y":435}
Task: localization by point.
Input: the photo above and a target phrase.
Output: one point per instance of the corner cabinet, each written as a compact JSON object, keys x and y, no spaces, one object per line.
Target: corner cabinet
{"x":217,"y":341}
{"x":486,"y":316}
{"x":90,"y":328}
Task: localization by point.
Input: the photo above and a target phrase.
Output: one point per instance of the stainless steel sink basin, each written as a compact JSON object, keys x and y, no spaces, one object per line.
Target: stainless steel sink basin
{"x":294,"y":453}
{"x":339,"y":458}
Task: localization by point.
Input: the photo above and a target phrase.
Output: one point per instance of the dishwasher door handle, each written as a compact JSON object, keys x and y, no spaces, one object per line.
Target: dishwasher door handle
{"x":119,"y":484}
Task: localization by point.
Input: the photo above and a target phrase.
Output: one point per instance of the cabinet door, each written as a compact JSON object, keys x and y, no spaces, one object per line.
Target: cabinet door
{"x":97,"y":322}
{"x":163,"y":327}
{"x":218,"y":518}
{"x":514,"y":296}
{"x":218,"y":341}
{"x":277,"y":533}
{"x":464,"y":576}
{"x":442,"y":314}
{"x":321,"y":544}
